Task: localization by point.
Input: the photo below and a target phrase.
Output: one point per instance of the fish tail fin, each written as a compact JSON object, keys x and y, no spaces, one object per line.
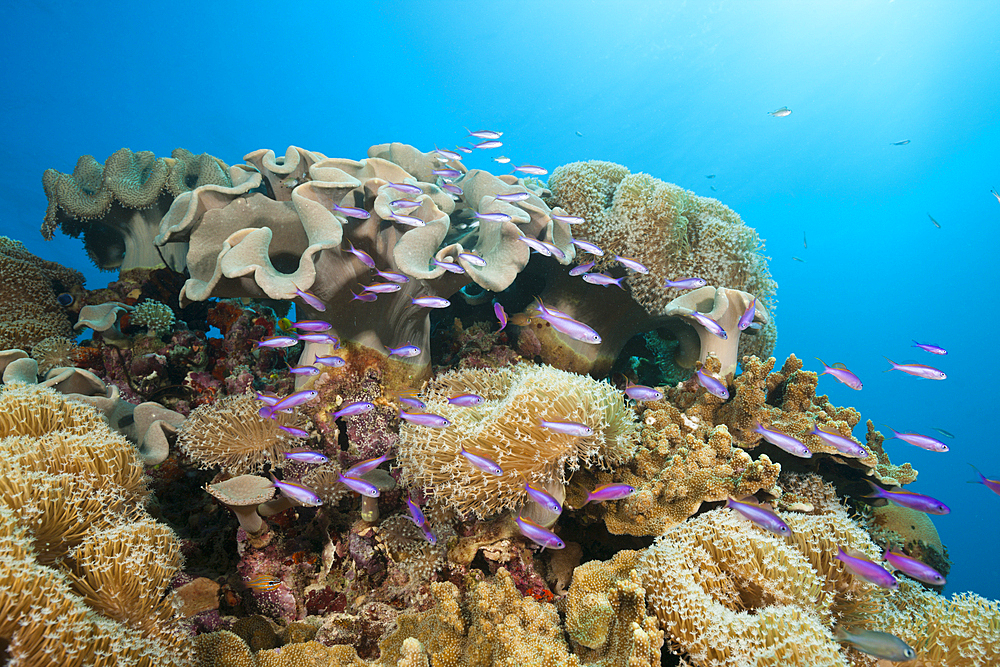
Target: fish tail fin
{"x":982,"y":477}
{"x":876,"y":490}
{"x":825,"y":367}
{"x":891,"y":362}
{"x":894,"y":431}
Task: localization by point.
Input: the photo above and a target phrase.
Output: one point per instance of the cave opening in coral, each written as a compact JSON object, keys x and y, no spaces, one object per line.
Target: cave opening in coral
{"x":650,"y":358}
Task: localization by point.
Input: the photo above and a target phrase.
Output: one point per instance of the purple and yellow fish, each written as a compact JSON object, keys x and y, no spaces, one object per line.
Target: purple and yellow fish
{"x":609,"y":492}
{"x":865,"y":568}
{"x":539,"y":535}
{"x":484,"y":463}
{"x":908,"y":499}
{"x":918,"y":370}
{"x":760,"y":515}
{"x":914,"y":568}
{"x":991,"y":484}
{"x":840,"y":373}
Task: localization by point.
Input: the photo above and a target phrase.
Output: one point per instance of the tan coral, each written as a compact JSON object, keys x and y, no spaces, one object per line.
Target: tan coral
{"x":505,"y":427}
{"x":52,"y":352}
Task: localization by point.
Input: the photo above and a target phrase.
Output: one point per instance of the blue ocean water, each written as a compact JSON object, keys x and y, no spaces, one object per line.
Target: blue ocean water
{"x":677,"y":90}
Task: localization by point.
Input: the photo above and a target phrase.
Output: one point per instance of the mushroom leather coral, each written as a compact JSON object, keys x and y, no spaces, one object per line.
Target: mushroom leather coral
{"x":84,"y":570}
{"x":505,"y":427}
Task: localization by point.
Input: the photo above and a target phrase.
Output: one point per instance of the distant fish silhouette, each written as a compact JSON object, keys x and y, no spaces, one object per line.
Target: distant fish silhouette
{"x":995,"y":194}
{"x":900,"y":143}
{"x":936,"y":223}
{"x":804,"y":244}
{"x":799,"y":259}
{"x":709,"y":175}
{"x":579,"y":133}
{"x":780,"y":113}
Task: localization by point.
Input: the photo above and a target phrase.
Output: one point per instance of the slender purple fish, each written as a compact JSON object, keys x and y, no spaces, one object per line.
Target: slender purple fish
{"x":484,"y":463}
{"x":609,"y":492}
{"x":269,"y":399}
{"x":842,"y":374}
{"x":761,"y":516}
{"x":713,"y":385}
{"x":532,"y":169}
{"x":406,"y":187}
{"x":446,"y":173}
{"x":630,"y":263}
{"x":360,"y":468}
{"x":603,"y":279}
{"x":297,"y":492}
{"x":554,"y":250}
{"x":354,"y":409}
{"x":452,"y":188}
{"x":640,"y":392}
{"x":451,"y":267}
{"x":686,"y":283}
{"x":568,"y":219}
{"x":312,"y":325}
{"x":484,"y":134}
{"x":918,"y":440}
{"x":367,"y":297}
{"x":404,"y":351}
{"x":412,"y":402}
{"x":332,"y":361}
{"x":843,"y":445}
{"x":913,"y":501}
{"x":539,"y":535}
{"x":918,"y":370}
{"x":404,"y":203}
{"x":365,"y":258}
{"x":535,"y":245}
{"x":306,"y":456}
{"x":991,"y":484}
{"x":415,"y":514}
{"x":466,"y":400}
{"x":575,"y":330}
{"x":352,"y":212}
{"x":429,"y":536}
{"x":489,"y":143}
{"x":501,"y":315}
{"x":359,"y":485}
{"x":293,"y":400}
{"x":447,"y":155}
{"x":473,"y":259}
{"x":393,"y":277}
{"x":746,"y":319}
{"x":933,"y":349}
{"x":513,"y":196}
{"x":569,"y":428}
{"x":914,"y":568}
{"x":581,"y":269}
{"x":430,"y":302}
{"x":864,"y":568}
{"x":542,"y":497}
{"x":786,"y":442}
{"x":411,"y":220}
{"x":382,"y":288}
{"x":311,"y":299}
{"x":587,"y":246}
{"x":710,"y":325}
{"x":304,"y":370}
{"x":277,"y":341}
{"x":464,"y":149}
{"x":492,"y":217}
{"x":424,"y":419}
{"x":297,"y":432}
{"x":319,"y":338}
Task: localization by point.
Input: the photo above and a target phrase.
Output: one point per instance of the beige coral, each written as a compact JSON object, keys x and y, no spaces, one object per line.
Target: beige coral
{"x":505,"y":427}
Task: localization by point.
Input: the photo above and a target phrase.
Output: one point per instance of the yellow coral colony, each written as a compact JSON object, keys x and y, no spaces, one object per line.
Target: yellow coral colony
{"x":84,"y":570}
{"x":505,"y":427}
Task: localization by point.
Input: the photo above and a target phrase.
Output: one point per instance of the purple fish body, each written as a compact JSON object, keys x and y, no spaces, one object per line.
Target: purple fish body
{"x":412,"y":402}
{"x":868,"y":570}
{"x":278,"y":341}
{"x":451,"y":267}
{"x":319,"y":338}
{"x":572,"y":328}
{"x":786,"y":442}
{"x":425,"y":419}
{"x":484,"y":463}
{"x":473,"y":259}
{"x":393,"y":277}
{"x":466,"y":400}
{"x":489,"y":143}
{"x":587,"y":246}
{"x":914,"y":568}
{"x":603,"y":279}
{"x":333,"y":361}
{"x":535,"y":245}
{"x":360,"y":486}
{"x":411,"y":220}
{"x":404,"y":351}
{"x":304,"y":370}
{"x":532,"y":169}
{"x":933,"y":349}
{"x":447,"y":155}
{"x":484,"y":134}
{"x":428,"y":535}
{"x":353,"y":409}
{"x":991,"y":484}
{"x":640,"y":392}
{"x":430,"y":302}
{"x":761,"y":516}
{"x":367,"y":297}
{"x":297,"y":492}
{"x":908,"y":499}
{"x":406,"y":187}
{"x":746,"y":319}
{"x":382,"y":288}
{"x":452,"y":188}
{"x":513,"y":196}
{"x":297,"y":432}
{"x":418,"y":517}
{"x":841,"y":374}
{"x":296,"y":399}
{"x":581,"y":269}
{"x":918,"y":370}
{"x":365,"y":258}
{"x":542,"y":497}
{"x":569,"y":428}
{"x":568,"y":219}
{"x":686,"y":283}
{"x":312,"y":325}
{"x":306,"y":457}
{"x":501,"y":314}
{"x":404,"y":203}
{"x":351,"y":212}
{"x":539,"y":535}
{"x":492,"y":217}
{"x":446,"y":172}
{"x":630,"y":263}
{"x":609,"y":492}
{"x":713,"y":385}
{"x":311,"y":299}
{"x":709,"y":324}
{"x":464,"y":149}
{"x":359,"y":469}
{"x":554,"y":250}
{"x":267,"y":399}
{"x":921,"y":441}
{"x":845,"y":446}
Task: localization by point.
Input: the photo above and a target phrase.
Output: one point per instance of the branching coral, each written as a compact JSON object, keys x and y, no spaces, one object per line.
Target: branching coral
{"x":157,"y":317}
{"x":505,"y":427}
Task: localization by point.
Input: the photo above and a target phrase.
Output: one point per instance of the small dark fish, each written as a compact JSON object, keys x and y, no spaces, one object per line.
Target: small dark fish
{"x":804,"y":243}
{"x":877,"y":644}
{"x":943,"y":432}
{"x":780,"y":113}
{"x":798,"y":259}
{"x":900,"y":143}
{"x":936,"y":223}
{"x":709,"y":175}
